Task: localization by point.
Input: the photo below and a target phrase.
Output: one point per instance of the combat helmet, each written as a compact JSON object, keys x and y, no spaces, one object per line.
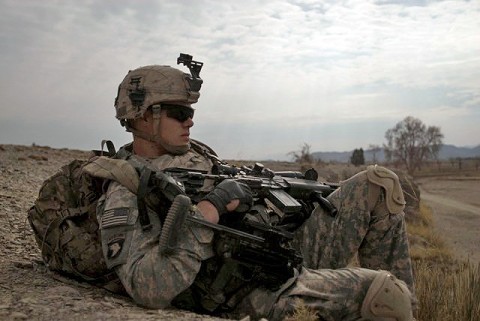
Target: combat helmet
{"x":154,"y":84}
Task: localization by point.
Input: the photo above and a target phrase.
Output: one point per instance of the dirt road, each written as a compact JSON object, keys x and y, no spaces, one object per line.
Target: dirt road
{"x":455,"y":202}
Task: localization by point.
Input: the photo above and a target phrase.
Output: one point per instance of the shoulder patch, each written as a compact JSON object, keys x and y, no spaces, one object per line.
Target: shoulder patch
{"x":115,"y":245}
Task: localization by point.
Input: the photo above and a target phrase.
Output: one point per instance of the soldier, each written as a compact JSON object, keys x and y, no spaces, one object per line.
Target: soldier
{"x":154,"y":103}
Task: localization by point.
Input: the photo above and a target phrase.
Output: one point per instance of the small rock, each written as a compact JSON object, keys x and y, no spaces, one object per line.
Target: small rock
{"x":29,"y":300}
{"x":38,"y":157}
{"x":18,"y":316}
{"x":109,"y":305}
{"x":63,"y":290}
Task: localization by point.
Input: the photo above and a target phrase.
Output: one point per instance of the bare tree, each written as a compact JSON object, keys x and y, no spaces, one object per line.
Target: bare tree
{"x":303,"y":156}
{"x":411,"y":143}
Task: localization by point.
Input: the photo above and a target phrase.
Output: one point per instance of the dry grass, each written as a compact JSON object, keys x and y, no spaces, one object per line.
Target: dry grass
{"x":302,"y":313}
{"x":447,"y":289}
{"x":448,"y":292}
{"x":426,"y":244}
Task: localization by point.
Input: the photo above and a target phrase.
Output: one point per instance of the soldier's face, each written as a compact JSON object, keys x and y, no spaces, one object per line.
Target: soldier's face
{"x":173,"y":131}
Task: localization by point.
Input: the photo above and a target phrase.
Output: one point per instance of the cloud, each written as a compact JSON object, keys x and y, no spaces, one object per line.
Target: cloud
{"x":276,"y":73}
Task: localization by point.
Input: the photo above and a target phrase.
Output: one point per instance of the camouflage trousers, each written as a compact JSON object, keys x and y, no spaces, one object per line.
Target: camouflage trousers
{"x":333,"y":295}
{"x":363,"y":230}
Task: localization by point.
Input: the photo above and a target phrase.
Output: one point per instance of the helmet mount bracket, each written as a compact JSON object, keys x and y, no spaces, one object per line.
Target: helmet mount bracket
{"x":195,"y":67}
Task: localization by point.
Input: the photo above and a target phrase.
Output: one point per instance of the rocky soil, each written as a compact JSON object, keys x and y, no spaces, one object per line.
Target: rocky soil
{"x":28,"y":291}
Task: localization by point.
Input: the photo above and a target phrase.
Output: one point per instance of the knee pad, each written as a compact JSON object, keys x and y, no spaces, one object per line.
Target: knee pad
{"x":387,"y":179}
{"x":387,"y":299}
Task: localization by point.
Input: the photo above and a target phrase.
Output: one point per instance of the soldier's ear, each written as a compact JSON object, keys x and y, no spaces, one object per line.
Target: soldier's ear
{"x":146,"y":116}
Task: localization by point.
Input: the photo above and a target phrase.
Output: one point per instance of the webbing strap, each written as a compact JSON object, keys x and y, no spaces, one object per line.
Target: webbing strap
{"x":141,"y":194}
{"x":110,"y":147}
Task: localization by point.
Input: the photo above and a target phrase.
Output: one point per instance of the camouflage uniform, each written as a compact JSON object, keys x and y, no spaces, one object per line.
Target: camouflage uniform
{"x":185,"y":279}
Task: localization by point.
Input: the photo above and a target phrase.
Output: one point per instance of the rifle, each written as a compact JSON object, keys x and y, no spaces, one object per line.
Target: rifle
{"x":259,"y":240}
{"x":292,"y":194}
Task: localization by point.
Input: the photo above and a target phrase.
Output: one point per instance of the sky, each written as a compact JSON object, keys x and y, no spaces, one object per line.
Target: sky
{"x":335,"y":75}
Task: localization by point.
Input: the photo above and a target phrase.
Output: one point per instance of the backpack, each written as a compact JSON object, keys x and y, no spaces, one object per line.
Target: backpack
{"x":63,"y":217}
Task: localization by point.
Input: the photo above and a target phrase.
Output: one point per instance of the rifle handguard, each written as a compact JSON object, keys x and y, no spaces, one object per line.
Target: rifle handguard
{"x":175,"y":219}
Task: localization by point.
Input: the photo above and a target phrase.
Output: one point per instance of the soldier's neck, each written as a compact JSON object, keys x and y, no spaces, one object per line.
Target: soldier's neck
{"x":147,"y":149}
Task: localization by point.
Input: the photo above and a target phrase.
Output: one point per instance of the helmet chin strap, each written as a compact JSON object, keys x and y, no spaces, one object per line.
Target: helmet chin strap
{"x":155,"y":138}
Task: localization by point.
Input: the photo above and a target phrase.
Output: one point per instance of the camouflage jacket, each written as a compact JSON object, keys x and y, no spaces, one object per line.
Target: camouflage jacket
{"x":192,"y":277}
{"x":151,"y":279}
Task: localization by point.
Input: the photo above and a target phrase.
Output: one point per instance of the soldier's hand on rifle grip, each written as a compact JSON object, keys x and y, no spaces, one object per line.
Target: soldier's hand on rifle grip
{"x":227,"y":191}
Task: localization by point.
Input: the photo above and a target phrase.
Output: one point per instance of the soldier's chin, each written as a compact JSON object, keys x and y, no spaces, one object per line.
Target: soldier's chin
{"x":177,"y":149}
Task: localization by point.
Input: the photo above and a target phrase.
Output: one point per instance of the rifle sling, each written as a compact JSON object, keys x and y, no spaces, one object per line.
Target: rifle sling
{"x":142,"y":192}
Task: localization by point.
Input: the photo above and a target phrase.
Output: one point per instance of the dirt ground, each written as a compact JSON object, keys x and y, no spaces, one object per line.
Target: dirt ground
{"x":455,"y":202}
{"x":27,"y":290}
{"x":30,"y":292}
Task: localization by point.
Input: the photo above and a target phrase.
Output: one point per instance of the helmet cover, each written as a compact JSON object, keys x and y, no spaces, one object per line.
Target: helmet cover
{"x":150,"y":85}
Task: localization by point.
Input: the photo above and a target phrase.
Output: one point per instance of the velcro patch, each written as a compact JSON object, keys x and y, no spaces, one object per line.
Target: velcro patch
{"x":115,"y":217}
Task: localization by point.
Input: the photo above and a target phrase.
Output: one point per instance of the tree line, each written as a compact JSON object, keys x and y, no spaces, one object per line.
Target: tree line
{"x":410,"y":143}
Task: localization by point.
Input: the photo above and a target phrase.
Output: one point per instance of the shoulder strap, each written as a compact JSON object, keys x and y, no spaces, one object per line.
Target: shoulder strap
{"x":118,"y":170}
{"x":143,"y":190}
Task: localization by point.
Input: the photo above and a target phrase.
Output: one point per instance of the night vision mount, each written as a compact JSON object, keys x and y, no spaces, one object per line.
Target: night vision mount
{"x":195,"y":67}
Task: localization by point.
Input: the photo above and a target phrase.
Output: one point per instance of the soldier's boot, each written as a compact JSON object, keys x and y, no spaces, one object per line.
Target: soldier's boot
{"x":387,"y":299}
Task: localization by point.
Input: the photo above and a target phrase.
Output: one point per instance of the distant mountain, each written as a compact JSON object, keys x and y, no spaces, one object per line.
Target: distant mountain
{"x":446,"y":152}
{"x":451,"y":151}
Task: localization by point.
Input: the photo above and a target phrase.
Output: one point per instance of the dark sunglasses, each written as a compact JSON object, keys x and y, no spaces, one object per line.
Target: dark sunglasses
{"x":178,"y":112}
